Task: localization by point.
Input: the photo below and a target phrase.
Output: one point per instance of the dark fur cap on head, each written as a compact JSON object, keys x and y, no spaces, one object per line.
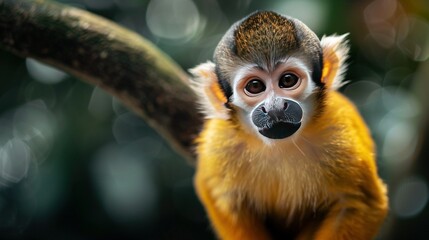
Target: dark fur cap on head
{"x":263,"y":38}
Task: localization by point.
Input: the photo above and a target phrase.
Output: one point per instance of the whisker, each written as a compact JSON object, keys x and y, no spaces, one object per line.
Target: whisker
{"x":296,"y":145}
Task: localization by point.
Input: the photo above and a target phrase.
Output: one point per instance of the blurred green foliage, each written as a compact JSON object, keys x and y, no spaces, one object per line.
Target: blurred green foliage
{"x":76,"y":164}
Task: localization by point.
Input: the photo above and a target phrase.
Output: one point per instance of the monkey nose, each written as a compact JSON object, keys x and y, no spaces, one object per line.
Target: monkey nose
{"x":277,"y":111}
{"x":275,"y":114}
{"x":285,"y":105}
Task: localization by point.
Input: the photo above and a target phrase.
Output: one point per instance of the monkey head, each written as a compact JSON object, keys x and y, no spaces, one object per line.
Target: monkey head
{"x":270,"y":72}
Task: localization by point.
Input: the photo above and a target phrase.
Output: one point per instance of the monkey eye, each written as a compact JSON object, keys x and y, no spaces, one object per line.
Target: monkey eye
{"x":254,"y":87}
{"x":288,"y":80}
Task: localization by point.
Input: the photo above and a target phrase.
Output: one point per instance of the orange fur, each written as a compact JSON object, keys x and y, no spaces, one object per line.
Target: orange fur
{"x":320,"y":183}
{"x":329,"y":167}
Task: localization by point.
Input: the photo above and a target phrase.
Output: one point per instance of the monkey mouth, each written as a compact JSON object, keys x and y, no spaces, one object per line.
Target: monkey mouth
{"x":280,"y":130}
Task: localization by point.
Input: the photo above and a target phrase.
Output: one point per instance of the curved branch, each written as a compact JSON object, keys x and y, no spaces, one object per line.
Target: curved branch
{"x":105,"y":54}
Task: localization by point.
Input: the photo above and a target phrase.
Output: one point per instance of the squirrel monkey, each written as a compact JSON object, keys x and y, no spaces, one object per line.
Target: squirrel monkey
{"x":282,"y":154}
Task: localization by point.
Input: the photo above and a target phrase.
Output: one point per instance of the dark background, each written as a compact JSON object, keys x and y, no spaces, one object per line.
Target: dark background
{"x":76,"y":164}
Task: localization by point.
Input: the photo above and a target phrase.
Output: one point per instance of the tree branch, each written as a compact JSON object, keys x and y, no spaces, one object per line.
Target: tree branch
{"x":107,"y":55}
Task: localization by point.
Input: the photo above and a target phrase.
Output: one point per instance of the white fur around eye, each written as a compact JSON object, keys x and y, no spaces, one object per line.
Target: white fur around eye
{"x":240,"y":76}
{"x":298,"y":63}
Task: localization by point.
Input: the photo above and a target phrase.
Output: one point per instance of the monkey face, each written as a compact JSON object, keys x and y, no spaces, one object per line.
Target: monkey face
{"x":273,"y":72}
{"x":270,"y":67}
{"x":276,"y":101}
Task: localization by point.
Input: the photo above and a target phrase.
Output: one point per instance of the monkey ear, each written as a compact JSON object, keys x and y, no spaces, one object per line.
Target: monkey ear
{"x":206,"y":85}
{"x":335,"y":53}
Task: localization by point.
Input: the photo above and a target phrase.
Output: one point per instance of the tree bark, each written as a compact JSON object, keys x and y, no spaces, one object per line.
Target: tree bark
{"x":107,"y":55}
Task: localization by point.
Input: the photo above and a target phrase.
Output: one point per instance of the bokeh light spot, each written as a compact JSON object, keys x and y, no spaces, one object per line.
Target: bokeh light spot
{"x":410,"y":197}
{"x":44,"y":73}
{"x":379,"y":11}
{"x":413,"y":38}
{"x":400,"y":142}
{"x":173,"y":20}
{"x":15,"y":159}
{"x":311,"y":12}
{"x":360,"y":91}
{"x":400,"y":103}
{"x":34,"y":124}
{"x":125,"y":186}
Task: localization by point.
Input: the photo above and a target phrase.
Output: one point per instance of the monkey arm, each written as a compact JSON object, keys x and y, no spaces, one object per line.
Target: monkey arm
{"x":356,"y":215}
{"x":229,"y":224}
{"x":351,"y":219}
